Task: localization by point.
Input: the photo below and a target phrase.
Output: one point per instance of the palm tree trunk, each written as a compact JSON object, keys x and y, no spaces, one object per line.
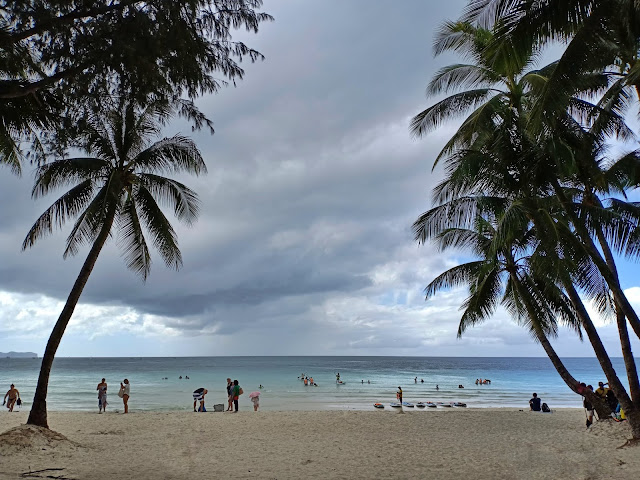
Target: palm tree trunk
{"x":571,"y":382}
{"x":601,"y":353}
{"x":623,"y":332}
{"x":38,"y":413}
{"x":612,"y":280}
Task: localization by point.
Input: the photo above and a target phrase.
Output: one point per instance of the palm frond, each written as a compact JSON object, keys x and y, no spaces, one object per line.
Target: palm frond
{"x":174,"y":154}
{"x":66,"y":172}
{"x":68,"y":205}
{"x":179,"y":197}
{"x":448,"y":109}
{"x":89,"y":222}
{"x":163,"y":236}
{"x":131,"y":240}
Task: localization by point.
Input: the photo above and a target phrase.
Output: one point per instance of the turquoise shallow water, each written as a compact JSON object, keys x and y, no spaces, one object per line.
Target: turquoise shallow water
{"x":73,"y":381}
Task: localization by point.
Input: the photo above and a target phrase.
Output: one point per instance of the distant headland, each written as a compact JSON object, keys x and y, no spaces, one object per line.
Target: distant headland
{"x":18,"y":355}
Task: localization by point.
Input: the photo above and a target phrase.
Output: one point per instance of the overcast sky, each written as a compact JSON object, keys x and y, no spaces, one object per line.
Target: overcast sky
{"x":304,"y":245}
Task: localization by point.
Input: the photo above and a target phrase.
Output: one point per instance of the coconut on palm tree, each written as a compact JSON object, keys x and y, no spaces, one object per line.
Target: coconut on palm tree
{"x":119,"y":186}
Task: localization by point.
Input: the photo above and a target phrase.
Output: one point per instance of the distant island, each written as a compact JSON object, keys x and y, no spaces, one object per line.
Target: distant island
{"x":18,"y":355}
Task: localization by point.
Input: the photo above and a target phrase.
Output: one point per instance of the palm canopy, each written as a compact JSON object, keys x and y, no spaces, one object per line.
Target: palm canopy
{"x":505,"y":272}
{"x":121,"y":180}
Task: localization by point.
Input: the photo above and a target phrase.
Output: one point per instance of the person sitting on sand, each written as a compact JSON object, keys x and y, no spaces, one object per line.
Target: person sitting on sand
{"x":102,"y":396}
{"x":13,"y":395}
{"x":198,"y":395}
{"x":534,"y":403}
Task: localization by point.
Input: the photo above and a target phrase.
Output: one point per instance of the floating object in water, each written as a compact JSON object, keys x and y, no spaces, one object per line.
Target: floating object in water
{"x":431,"y":405}
{"x":444,"y":404}
{"x":407,"y":404}
{"x":459,"y":404}
{"x":420,"y":405}
{"x":341,"y":383}
{"x":378,"y":405}
{"x":396,"y":405}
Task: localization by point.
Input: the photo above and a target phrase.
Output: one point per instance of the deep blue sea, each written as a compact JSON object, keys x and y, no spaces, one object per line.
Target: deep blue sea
{"x":73,"y":381}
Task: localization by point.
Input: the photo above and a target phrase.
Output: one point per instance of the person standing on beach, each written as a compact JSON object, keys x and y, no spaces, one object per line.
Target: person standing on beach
{"x":399,"y":394}
{"x":126,"y":392}
{"x":13,"y":395}
{"x":588,"y":408}
{"x":237,"y":391}
{"x":102,"y":396}
{"x":229,"y":394}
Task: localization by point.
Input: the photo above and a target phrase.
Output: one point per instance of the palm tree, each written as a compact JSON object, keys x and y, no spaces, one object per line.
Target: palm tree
{"x":495,"y":154}
{"x":116,"y":185}
{"x":604,"y":37}
{"x":501,"y":275}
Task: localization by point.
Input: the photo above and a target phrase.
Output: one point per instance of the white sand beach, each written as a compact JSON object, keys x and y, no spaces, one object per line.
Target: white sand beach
{"x":440,"y":444}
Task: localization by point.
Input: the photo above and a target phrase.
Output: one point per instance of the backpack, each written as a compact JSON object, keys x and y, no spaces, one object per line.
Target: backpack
{"x":545,"y":408}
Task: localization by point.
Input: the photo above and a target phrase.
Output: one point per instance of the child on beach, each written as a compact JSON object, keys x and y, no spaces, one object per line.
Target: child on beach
{"x":256,"y":402}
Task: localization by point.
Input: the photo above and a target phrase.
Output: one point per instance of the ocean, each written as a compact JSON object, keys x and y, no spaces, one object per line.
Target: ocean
{"x":368,"y":380}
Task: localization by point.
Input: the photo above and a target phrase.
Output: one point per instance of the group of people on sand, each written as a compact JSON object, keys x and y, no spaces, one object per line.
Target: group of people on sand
{"x":234,"y":390}
{"x":124,"y":393}
{"x":482,"y":381}
{"x":607,"y":396}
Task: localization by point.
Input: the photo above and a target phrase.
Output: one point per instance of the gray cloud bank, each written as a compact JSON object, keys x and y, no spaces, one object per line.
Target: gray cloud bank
{"x":313,"y":184}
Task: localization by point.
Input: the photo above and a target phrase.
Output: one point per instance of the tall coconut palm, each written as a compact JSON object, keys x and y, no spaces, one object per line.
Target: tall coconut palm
{"x":495,"y":154}
{"x":118,"y":185}
{"x":604,"y":37}
{"x":500,"y":275}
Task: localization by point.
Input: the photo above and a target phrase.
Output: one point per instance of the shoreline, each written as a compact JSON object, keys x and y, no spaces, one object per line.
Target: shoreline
{"x":482,"y":443}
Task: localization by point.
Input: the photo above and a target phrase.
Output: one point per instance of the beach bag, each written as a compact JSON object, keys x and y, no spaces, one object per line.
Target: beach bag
{"x":545,"y":408}
{"x":121,"y":393}
{"x":240,"y":392}
{"x":19,"y":402}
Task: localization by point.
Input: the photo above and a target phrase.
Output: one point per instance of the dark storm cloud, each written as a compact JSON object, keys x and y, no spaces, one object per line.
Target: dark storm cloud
{"x":305,"y":225}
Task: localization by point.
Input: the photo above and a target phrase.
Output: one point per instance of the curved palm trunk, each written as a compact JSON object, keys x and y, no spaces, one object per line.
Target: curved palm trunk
{"x":38,"y":413}
{"x":601,"y":353}
{"x":623,"y":332}
{"x":612,"y":280}
{"x":571,"y":382}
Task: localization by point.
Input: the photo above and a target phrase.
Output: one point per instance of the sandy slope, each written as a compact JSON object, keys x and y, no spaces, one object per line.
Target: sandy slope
{"x":440,"y":444}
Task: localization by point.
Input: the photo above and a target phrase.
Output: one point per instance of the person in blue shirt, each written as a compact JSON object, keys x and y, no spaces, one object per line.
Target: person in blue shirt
{"x":534,"y":403}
